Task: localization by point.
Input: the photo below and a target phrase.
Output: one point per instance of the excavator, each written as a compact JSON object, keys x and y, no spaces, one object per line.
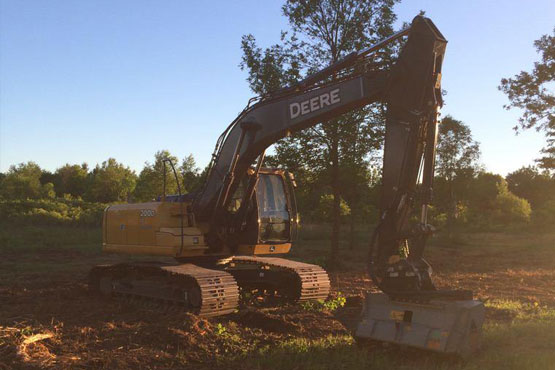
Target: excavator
{"x":228,"y":236}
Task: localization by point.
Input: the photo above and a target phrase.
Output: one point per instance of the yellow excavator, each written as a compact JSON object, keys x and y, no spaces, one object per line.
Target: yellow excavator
{"x":227,"y":236}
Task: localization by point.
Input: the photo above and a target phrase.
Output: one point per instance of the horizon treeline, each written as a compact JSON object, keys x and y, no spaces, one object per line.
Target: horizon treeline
{"x":465,"y":195}
{"x":108,"y":182}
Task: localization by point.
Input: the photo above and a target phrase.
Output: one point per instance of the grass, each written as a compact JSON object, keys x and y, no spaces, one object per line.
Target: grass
{"x":27,"y":238}
{"x":333,"y":352}
{"x":31,"y":253}
{"x":528,"y":342}
{"x":331,"y":304}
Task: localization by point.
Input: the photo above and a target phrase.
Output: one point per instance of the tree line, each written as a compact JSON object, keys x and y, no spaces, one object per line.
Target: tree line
{"x":465,"y":194}
{"x":109,"y":182}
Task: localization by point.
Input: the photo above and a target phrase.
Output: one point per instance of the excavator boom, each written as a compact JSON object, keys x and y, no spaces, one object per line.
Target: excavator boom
{"x":411,"y":91}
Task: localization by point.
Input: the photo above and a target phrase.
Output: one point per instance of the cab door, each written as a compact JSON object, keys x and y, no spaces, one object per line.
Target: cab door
{"x":274,"y":219}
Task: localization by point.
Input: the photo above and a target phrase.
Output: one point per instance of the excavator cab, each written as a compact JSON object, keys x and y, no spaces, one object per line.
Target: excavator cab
{"x":271,"y":219}
{"x":277,"y":213}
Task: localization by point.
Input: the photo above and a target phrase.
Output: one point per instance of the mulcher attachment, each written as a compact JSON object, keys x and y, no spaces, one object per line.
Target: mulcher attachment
{"x":450,"y":326}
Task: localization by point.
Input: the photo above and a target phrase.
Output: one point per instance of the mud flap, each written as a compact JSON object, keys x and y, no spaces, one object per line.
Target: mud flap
{"x":442,"y":326}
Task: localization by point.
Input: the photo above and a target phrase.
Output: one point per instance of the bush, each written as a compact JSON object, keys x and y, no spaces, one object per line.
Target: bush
{"x":494,"y":207}
{"x":60,"y":211}
{"x":331,"y":304}
{"x":510,"y":209}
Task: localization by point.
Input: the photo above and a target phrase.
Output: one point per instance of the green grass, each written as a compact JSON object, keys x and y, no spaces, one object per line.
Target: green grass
{"x":528,"y":342}
{"x":28,"y":238}
{"x":333,"y":352}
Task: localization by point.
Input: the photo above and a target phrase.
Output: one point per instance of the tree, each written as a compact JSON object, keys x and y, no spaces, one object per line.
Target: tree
{"x":71,"y":179}
{"x":362,"y":197}
{"x":532,"y":92}
{"x":543,"y":216}
{"x":325,"y":206}
{"x":23,"y":182}
{"x":509,"y":209}
{"x":532,"y":185}
{"x":150,"y":183}
{"x":456,"y":163}
{"x":49,"y":177}
{"x":491,"y":204}
{"x":111,"y":182}
{"x":456,"y":149}
{"x":322,"y":33}
{"x":192,"y":178}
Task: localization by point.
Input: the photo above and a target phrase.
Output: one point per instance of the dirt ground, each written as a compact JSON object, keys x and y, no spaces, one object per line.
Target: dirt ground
{"x":49,"y":319}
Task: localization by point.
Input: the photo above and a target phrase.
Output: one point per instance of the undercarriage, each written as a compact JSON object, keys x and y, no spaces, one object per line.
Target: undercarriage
{"x":215,"y":289}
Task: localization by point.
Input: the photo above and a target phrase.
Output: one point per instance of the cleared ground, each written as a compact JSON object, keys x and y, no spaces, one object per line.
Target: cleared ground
{"x":48,"y":318}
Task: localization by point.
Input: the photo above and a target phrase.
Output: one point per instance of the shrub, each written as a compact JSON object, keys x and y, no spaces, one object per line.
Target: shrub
{"x":60,"y":211}
{"x":510,"y":209}
{"x":331,"y":304}
{"x":500,"y":209}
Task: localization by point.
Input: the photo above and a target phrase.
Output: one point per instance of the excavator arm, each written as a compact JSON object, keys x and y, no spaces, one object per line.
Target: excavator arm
{"x":412,"y":92}
{"x":273,"y":119}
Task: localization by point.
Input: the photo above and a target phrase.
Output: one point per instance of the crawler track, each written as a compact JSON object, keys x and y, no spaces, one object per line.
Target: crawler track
{"x":300,"y":281}
{"x":206,"y":291}
{"x":199,"y":290}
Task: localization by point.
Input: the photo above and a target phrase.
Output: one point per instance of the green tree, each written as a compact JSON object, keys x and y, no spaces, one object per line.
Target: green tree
{"x":532,"y":92}
{"x":111,"y":182}
{"x":325,"y":208}
{"x":72,"y":179}
{"x":23,"y":182}
{"x":456,"y":163}
{"x":360,"y":184}
{"x":482,"y":191}
{"x":47,"y":177}
{"x":491,"y":204}
{"x":509,"y":209}
{"x":543,"y":216}
{"x":192,"y":177}
{"x":47,"y":191}
{"x":531,"y":184}
{"x":322,"y":33}
{"x":150,"y":183}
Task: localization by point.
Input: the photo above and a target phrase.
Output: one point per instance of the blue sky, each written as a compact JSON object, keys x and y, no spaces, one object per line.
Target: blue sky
{"x":81,"y":81}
